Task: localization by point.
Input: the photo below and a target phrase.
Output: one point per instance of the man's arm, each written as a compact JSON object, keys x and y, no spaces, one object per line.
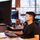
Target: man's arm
{"x":15,"y":32}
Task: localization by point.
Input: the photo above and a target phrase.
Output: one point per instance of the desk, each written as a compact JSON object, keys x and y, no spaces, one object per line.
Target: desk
{"x":18,"y":38}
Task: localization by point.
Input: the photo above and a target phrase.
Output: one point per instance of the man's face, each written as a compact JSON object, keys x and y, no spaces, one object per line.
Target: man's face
{"x":28,"y":17}
{"x":18,"y":21}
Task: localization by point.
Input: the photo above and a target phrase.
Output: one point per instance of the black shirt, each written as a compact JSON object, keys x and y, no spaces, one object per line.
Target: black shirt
{"x":30,"y":30}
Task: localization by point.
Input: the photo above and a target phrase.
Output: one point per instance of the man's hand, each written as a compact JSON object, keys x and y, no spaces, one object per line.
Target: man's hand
{"x":12,"y":27}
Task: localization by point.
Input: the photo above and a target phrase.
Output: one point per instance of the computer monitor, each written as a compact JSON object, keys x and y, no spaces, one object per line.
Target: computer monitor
{"x":14,"y":15}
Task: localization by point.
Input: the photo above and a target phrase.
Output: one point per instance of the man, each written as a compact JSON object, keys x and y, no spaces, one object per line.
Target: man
{"x":18,"y":24}
{"x":31,"y":28}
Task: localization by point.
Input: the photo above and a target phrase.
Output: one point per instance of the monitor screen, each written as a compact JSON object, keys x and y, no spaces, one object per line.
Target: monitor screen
{"x":14,"y":15}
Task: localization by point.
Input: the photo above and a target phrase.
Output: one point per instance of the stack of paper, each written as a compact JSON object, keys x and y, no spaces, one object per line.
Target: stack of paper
{"x":2,"y":34}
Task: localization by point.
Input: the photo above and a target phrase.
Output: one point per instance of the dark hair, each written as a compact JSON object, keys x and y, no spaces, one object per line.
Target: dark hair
{"x":31,"y":13}
{"x":18,"y":19}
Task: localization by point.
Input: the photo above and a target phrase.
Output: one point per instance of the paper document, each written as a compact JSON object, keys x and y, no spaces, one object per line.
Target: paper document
{"x":2,"y":34}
